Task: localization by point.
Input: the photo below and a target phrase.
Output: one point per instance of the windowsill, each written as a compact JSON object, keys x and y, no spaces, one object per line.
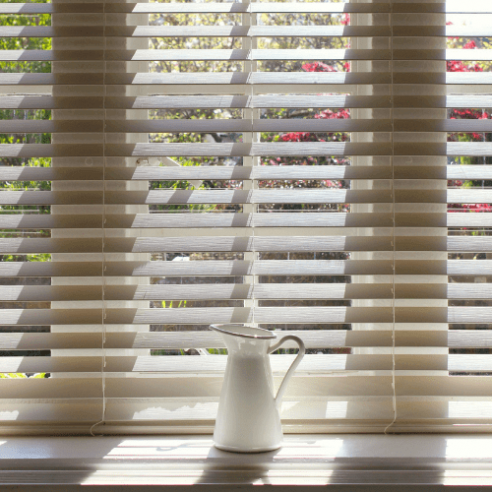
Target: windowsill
{"x":419,"y":461}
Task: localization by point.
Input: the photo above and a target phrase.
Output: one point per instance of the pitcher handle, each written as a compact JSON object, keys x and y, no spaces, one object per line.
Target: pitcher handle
{"x":293,"y":366}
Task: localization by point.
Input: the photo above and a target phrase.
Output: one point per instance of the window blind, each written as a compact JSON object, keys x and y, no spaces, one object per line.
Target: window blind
{"x":311,"y":167}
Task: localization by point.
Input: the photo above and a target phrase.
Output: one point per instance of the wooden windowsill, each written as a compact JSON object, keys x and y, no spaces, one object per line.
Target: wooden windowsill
{"x":345,"y":462}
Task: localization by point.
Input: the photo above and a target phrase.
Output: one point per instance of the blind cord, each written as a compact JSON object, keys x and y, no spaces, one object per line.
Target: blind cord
{"x":103,"y":241}
{"x":253,"y":205}
{"x":393,"y":240}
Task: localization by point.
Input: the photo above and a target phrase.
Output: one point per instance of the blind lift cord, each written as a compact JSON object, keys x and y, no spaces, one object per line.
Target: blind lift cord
{"x":393,"y":240}
{"x":103,"y":246}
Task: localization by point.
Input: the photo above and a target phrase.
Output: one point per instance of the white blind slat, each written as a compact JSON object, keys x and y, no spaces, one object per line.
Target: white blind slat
{"x":320,"y":339}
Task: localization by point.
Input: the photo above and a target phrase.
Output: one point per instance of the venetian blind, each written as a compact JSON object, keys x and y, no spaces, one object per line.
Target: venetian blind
{"x":309,"y":167}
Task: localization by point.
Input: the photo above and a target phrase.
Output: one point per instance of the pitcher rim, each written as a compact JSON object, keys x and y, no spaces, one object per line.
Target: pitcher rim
{"x":222,"y":328}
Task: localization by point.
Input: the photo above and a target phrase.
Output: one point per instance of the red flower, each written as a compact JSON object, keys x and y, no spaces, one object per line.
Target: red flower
{"x":296,"y":137}
{"x":346,"y":20}
{"x":470,"y":45}
{"x":468,"y":114}
{"x":318,"y":67}
{"x":459,"y":66}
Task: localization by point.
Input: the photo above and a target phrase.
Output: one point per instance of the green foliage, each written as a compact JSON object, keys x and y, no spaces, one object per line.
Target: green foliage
{"x":18,"y":375}
{"x":25,"y":43}
{"x":173,"y":304}
{"x":10,"y":114}
{"x":25,"y":67}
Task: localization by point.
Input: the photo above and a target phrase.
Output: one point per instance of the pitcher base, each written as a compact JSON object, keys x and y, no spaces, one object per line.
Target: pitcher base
{"x":231,"y":449}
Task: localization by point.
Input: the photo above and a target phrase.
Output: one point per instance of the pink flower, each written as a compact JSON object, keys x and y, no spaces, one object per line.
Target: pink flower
{"x":346,"y":20}
{"x":470,"y":45}
{"x":478,"y":207}
{"x":332,"y":184}
{"x":330,"y":115}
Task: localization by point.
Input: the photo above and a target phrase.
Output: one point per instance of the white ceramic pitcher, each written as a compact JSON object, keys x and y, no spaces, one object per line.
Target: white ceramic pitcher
{"x":248,"y":420}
